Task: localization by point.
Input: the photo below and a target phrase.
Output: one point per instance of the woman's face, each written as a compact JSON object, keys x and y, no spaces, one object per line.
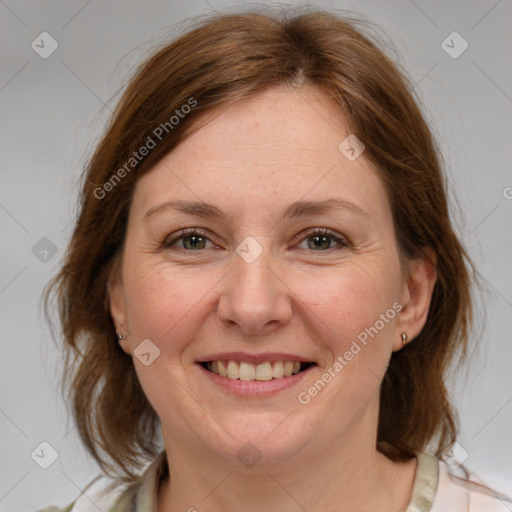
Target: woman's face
{"x":253,"y":281}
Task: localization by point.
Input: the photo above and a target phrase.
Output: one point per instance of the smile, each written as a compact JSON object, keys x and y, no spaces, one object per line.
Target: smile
{"x":241,"y":370}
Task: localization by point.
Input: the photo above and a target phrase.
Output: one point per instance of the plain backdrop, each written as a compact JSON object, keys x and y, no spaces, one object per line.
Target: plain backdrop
{"x":54,"y":109}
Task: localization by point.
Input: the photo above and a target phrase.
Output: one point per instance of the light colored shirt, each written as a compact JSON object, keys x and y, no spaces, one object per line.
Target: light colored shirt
{"x":437,"y":488}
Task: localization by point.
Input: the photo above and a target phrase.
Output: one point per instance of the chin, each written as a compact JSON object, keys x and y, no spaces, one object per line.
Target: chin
{"x":259,"y":439}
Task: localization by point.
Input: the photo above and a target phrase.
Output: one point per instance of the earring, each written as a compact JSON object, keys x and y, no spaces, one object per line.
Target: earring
{"x":120,"y":337}
{"x":404,"y":338}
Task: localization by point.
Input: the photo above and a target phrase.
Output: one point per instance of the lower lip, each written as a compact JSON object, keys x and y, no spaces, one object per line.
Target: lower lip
{"x":255,"y":387}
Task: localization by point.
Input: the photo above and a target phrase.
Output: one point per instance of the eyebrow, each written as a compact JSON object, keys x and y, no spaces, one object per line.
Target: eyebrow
{"x":294,"y":210}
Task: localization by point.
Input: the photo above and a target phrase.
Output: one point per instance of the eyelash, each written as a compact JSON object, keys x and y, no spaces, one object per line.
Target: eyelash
{"x":342,"y":243}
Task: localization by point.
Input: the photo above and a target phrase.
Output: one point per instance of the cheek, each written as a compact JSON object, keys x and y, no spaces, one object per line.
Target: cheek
{"x":354,"y":318}
{"x":350,"y":313}
{"x":346,"y":299}
{"x":164,"y":303}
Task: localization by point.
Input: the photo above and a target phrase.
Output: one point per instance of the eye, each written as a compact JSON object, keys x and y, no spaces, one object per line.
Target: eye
{"x":320,"y":240}
{"x":192,"y":239}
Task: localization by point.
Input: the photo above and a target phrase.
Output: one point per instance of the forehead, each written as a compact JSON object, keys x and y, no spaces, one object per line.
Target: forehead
{"x":274,"y":148}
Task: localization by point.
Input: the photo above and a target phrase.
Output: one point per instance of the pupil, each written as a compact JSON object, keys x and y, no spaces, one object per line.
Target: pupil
{"x":194,"y":241}
{"x":320,"y":239}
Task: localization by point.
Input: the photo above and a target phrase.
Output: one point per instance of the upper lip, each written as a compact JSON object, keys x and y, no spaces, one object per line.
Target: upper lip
{"x":253,"y":358}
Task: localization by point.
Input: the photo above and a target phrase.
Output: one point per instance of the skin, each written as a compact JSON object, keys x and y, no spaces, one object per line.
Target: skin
{"x":252,"y":160}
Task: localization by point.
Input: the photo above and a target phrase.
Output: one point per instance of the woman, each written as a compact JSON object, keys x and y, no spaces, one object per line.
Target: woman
{"x":264,"y":272}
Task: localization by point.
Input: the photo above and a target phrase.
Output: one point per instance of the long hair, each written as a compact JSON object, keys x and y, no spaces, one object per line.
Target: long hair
{"x":219,"y":61}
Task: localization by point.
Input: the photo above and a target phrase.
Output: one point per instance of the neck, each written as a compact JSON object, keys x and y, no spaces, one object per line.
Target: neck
{"x":347,"y":474}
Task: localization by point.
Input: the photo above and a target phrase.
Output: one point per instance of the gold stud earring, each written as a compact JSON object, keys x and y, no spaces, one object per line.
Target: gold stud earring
{"x":404,"y":338}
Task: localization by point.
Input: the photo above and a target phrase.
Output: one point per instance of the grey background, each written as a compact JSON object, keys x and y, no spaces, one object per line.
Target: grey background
{"x":53,"y":111}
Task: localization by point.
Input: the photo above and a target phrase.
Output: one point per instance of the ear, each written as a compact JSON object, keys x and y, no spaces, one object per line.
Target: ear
{"x":116,"y":300}
{"x":416,"y":295}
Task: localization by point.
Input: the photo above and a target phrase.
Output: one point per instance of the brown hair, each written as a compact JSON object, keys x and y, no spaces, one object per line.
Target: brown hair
{"x":217,"y":62}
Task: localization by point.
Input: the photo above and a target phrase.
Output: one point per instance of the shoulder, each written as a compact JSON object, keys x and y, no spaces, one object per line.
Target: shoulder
{"x":100,"y":495}
{"x":458,"y":490}
{"x":104,"y":495}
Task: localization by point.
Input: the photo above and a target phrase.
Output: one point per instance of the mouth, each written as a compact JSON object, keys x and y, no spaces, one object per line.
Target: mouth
{"x":265,"y":371}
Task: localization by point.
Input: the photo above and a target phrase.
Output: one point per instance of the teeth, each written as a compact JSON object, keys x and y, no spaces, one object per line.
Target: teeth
{"x":233,"y":370}
{"x":223,"y":372}
{"x":278,"y":370}
{"x":248,"y":371}
{"x":264,"y":371}
{"x":288,"y":368}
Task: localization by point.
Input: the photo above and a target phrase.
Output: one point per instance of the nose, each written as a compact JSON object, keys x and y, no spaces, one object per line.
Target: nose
{"x":254,"y":298}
